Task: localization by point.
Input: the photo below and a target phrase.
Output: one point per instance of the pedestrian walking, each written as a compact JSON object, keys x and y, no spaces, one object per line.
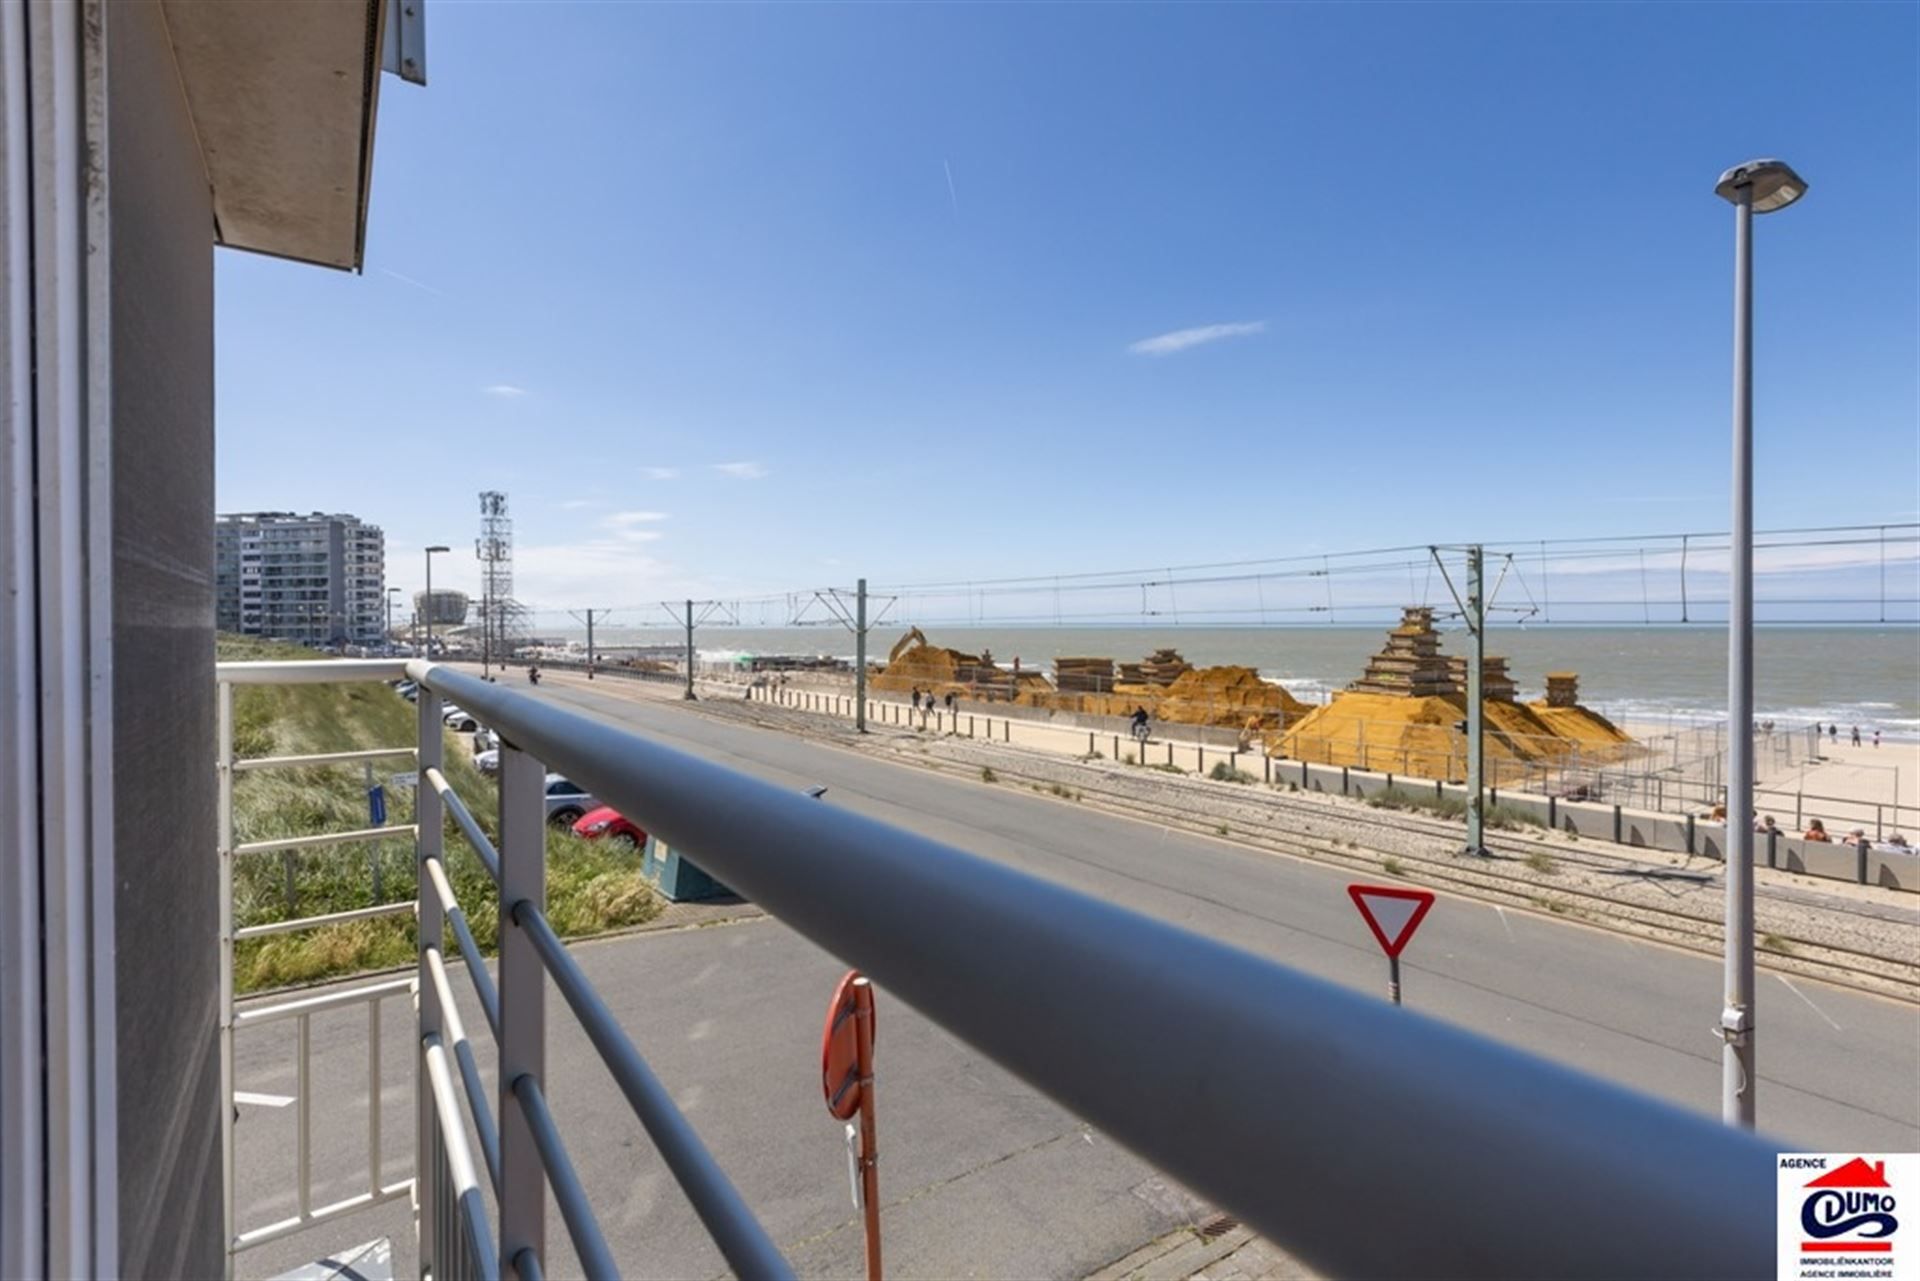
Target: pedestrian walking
{"x":1876,"y":738}
{"x":1856,"y":736}
{"x":1833,"y":732}
{"x":916,"y":698}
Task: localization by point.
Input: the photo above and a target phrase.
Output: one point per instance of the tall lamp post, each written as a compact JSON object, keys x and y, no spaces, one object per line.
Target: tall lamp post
{"x":1757,"y":187}
{"x":429,"y":610}
{"x":391,"y":591}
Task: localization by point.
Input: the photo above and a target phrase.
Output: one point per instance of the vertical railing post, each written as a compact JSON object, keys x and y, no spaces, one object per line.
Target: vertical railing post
{"x":523,"y":987}
{"x":428,"y":843}
{"x":224,"y":842}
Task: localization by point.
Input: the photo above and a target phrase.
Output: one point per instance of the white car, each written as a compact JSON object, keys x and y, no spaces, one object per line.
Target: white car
{"x":487,"y":762}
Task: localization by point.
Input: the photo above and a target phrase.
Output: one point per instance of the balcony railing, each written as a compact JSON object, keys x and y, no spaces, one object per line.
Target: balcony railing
{"x":1368,"y":1139}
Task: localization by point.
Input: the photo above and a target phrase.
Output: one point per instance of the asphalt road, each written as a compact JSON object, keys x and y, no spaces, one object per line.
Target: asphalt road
{"x":981,"y":1176}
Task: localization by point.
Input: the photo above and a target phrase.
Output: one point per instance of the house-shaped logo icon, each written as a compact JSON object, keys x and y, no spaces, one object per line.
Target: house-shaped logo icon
{"x":1854,"y":1174}
{"x":1849,"y":1210}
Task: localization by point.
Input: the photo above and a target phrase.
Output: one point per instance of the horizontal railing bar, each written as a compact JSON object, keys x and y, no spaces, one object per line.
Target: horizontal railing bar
{"x":477,"y":971}
{"x":319,"y":671}
{"x":489,"y":856}
{"x":453,"y":1137}
{"x":454,"y":1027}
{"x":589,"y":1243}
{"x":331,"y":918}
{"x":1245,"y":1080}
{"x":325,"y":838}
{"x":744,"y":1243}
{"x":322,"y":758}
{"x":300,"y":1223}
{"x":325,"y":1001}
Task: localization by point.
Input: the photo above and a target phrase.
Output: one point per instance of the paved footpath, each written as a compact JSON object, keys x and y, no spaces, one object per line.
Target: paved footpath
{"x":981,"y":1175}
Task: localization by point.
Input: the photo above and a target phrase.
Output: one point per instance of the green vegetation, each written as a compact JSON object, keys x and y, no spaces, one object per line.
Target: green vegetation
{"x":987,"y":775}
{"x":1167,"y":767}
{"x":592,"y":886}
{"x":1775,"y":943}
{"x":1499,"y":817}
{"x":1542,"y":862}
{"x":1222,"y":772}
{"x":1221,"y":830}
{"x":1392,"y":866}
{"x":1063,"y":791}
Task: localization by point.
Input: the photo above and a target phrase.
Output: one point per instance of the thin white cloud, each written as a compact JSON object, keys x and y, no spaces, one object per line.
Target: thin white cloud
{"x":504,"y":391}
{"x":1181,"y":339}
{"x":660,"y":473}
{"x":631,"y":527}
{"x":741,"y":471}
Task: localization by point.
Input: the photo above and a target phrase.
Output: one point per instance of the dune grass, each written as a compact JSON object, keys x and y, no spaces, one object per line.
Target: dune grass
{"x":592,"y":886}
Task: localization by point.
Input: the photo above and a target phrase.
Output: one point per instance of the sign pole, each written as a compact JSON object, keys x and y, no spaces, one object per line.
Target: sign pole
{"x":869,"y":1139}
{"x":846,"y":1082}
{"x":1393,"y":978}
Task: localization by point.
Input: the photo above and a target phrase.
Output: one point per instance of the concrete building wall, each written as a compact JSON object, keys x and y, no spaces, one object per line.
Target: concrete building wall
{"x":165,"y":913}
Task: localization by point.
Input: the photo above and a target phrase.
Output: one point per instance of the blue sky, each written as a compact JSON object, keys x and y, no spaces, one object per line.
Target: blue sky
{"x":733,"y":299}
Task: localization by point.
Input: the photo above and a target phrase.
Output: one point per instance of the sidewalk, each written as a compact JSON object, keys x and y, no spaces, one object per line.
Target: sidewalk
{"x":1217,"y":1250}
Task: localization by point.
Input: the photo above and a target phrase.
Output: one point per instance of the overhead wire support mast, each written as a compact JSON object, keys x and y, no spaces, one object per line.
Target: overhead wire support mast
{"x":854,"y":618}
{"x":1474,"y":611}
{"x":685,"y":614}
{"x":588,"y":620}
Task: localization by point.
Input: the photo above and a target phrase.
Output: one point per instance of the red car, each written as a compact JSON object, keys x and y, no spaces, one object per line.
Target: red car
{"x":608,"y":823}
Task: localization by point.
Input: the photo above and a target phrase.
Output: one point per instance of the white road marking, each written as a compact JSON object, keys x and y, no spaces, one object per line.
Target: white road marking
{"x":1503,"y":923}
{"x":1809,"y":1000}
{"x":262,"y":1100}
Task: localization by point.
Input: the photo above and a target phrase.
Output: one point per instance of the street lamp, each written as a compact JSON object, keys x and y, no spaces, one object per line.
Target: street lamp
{"x":390,"y":595}
{"x":430,"y":552}
{"x":1759,"y":186}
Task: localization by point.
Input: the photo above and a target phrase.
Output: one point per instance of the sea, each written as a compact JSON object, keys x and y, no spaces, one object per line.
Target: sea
{"x":1856,"y":675}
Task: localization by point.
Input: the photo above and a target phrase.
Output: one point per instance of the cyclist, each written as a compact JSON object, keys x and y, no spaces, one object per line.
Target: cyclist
{"x":1140,"y":723}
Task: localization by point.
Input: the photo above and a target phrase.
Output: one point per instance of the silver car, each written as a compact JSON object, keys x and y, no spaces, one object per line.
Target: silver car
{"x":566,"y":801}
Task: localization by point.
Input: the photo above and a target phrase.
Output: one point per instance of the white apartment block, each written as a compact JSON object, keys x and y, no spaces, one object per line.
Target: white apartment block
{"x":315,"y":580}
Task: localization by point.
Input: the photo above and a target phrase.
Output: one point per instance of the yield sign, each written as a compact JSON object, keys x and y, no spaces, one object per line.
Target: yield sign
{"x":1392,"y":914}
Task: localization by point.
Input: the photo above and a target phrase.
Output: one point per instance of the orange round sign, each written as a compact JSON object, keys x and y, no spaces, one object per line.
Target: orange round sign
{"x":840,"y":1051}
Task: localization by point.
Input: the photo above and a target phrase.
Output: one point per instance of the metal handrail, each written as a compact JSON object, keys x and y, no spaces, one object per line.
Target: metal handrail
{"x":454,"y":1029}
{"x":324,"y":838}
{"x":1296,"y":1104}
{"x":246,"y":763}
{"x":463,"y":817}
{"x":463,"y":935}
{"x":330,"y":918}
{"x":589,"y":1242}
{"x":741,"y":1239}
{"x":473,"y":1210}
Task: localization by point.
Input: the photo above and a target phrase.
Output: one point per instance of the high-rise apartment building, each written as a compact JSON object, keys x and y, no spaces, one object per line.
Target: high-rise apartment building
{"x":314,"y":580}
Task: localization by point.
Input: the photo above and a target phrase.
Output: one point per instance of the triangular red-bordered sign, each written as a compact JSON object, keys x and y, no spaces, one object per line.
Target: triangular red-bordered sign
{"x":1392,"y":914}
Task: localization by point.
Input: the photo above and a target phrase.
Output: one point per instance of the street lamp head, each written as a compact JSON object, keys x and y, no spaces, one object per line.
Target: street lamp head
{"x":1769,"y":184}
{"x":432,"y":550}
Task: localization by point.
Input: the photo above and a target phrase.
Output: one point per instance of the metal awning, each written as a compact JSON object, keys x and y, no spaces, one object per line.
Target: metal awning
{"x":283,"y":98}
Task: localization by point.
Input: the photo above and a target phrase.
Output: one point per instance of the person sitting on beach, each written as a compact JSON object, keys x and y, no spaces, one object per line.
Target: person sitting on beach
{"x":1816,"y":831}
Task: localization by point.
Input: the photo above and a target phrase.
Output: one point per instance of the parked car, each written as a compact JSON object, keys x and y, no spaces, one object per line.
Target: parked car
{"x":487,"y":762}
{"x":485,"y":740}
{"x":608,"y":823}
{"x":567,"y":801}
{"x":407,"y":690}
{"x":462,"y":722}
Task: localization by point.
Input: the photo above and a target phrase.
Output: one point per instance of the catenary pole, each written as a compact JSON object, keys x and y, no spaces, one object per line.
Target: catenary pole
{"x":860,"y":657}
